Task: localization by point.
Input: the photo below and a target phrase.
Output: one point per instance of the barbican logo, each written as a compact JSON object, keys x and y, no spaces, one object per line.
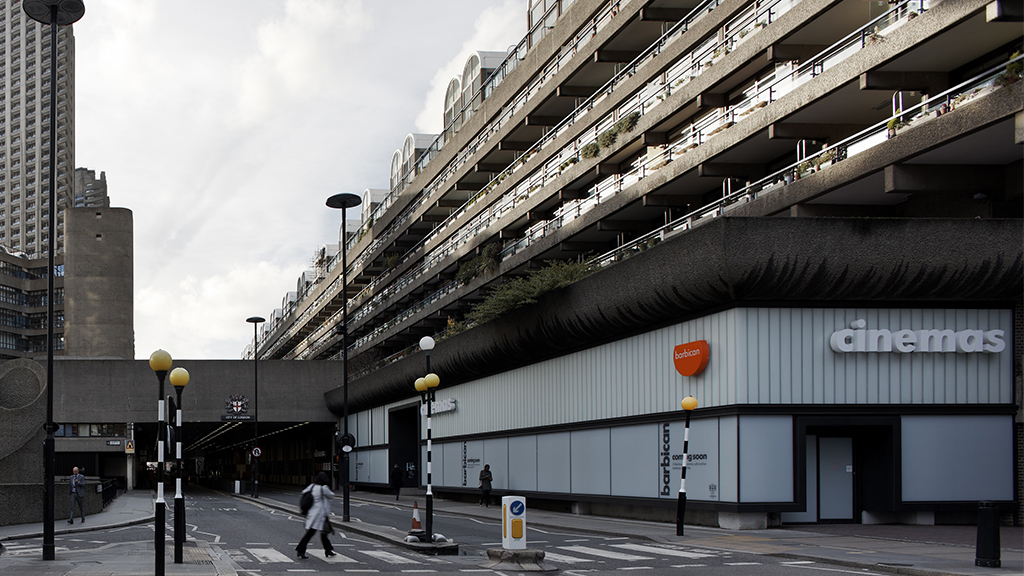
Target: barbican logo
{"x":691,"y":358}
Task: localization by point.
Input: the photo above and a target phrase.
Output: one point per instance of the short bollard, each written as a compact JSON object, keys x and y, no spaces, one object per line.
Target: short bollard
{"x":987,"y":551}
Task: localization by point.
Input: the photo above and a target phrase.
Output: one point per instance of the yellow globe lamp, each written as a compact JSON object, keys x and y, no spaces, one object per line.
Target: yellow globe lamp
{"x":421,"y":384}
{"x":689,"y":403}
{"x":179,"y":377}
{"x":160,"y":361}
{"x":431,"y":380}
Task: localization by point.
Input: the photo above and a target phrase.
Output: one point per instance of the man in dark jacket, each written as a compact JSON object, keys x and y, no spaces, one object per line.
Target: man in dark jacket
{"x":396,"y":481}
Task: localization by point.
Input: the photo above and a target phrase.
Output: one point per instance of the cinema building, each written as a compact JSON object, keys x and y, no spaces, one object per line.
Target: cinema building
{"x":804,"y":213}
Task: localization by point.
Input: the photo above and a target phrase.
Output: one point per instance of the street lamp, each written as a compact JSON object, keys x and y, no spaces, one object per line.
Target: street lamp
{"x":344,"y":201}
{"x":160,"y":362}
{"x":689,"y":404}
{"x":179,"y":379}
{"x":425,"y":386}
{"x":55,"y":13}
{"x":255,"y":321}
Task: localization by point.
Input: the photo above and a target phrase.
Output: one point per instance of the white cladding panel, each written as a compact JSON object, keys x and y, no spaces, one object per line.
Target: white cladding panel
{"x":757,"y":356}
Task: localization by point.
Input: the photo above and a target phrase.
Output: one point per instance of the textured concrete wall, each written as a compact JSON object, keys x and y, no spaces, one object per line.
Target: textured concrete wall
{"x":126,"y":390}
{"x":98,"y":283}
{"x":727,"y":262}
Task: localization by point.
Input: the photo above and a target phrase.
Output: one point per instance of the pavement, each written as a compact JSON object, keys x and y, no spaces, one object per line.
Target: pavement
{"x":893,"y":549}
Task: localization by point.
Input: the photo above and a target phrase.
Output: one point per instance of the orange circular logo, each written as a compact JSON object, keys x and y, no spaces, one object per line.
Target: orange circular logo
{"x":691,"y":358}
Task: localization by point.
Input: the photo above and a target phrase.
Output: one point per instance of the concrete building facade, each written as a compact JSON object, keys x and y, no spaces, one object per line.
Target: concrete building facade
{"x":775,"y":179}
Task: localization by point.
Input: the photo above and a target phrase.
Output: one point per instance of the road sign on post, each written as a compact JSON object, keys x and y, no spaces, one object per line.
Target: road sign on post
{"x":513,"y":523}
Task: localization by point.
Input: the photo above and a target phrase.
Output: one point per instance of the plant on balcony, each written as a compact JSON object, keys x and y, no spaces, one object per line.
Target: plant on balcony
{"x":392,"y":260}
{"x":590,"y":150}
{"x":1012,"y":74}
{"x":721,"y":128}
{"x":824,"y":158}
{"x":527,"y":289}
{"x":627,"y":123}
{"x":488,"y":261}
{"x":567,"y":163}
{"x":607,"y":138}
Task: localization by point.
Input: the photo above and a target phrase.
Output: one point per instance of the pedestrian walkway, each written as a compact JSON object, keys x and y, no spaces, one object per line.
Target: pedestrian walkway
{"x":924,"y":550}
{"x":899,"y":549}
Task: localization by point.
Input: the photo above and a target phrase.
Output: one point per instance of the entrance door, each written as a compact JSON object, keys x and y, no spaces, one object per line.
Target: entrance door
{"x":403,"y":442}
{"x":835,"y":479}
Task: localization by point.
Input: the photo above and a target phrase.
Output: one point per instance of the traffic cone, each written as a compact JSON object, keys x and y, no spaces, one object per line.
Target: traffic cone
{"x":416,"y":517}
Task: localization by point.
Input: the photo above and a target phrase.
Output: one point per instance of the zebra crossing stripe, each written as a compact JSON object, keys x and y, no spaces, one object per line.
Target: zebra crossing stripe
{"x":664,"y":551}
{"x":604,"y":553}
{"x":389,"y":557}
{"x":336,"y":559}
{"x":268,"y":555}
{"x":564,"y":559}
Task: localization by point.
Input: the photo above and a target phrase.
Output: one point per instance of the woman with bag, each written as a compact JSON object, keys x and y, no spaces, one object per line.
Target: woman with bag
{"x":318,"y":516}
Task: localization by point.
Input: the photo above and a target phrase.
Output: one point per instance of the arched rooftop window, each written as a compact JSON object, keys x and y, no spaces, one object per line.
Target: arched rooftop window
{"x":396,"y":168}
{"x":452,"y":108}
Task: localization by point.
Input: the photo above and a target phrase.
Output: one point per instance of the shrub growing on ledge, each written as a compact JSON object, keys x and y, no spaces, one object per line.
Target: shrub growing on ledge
{"x":607,"y":138}
{"x":527,"y":289}
{"x":590,"y":150}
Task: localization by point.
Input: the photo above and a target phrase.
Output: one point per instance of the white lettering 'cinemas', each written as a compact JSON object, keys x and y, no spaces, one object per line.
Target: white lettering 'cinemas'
{"x":857,"y":338}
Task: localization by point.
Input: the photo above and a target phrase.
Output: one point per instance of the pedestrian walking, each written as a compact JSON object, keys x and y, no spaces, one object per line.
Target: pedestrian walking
{"x":77,"y":492}
{"x":485,"y":486}
{"x":318,"y":517}
{"x":396,"y":481}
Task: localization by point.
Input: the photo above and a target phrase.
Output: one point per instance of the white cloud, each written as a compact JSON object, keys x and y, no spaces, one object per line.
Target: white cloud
{"x":225,"y":125}
{"x":495,"y":30}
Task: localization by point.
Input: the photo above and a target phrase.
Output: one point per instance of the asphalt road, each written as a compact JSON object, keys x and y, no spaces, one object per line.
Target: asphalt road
{"x":261,"y":541}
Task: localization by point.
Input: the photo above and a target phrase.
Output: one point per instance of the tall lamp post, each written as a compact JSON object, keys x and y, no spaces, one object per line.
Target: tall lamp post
{"x":344,"y":201}
{"x":689,"y":404}
{"x":179,"y":379}
{"x":160,"y":361}
{"x":425,"y":386}
{"x":55,"y":13}
{"x":255,"y":321}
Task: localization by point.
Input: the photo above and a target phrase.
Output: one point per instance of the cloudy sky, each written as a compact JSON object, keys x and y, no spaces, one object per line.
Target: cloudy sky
{"x":224,"y":126}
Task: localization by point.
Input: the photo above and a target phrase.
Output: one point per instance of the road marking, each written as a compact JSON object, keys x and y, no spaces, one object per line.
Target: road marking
{"x":834,"y":570}
{"x":268,"y":555}
{"x":579,"y":540}
{"x":665,"y":551}
{"x":564,"y":559}
{"x":389,"y":557}
{"x":689,"y":565}
{"x":604,"y":553}
{"x":336,"y":559}
{"x":637,"y":568}
{"x":742,"y":563}
{"x":797,"y":562}
{"x":418,"y":571}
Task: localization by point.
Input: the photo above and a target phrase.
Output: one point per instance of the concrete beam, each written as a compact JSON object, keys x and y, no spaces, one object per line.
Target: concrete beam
{"x":576,"y":91}
{"x":471,"y":186}
{"x":433,"y":218}
{"x":515,"y":146}
{"x":1018,"y":128}
{"x":623,"y":225}
{"x":617,"y":56}
{"x":730,"y":170}
{"x":1005,"y":11}
{"x":606,"y":169}
{"x":927,"y":82}
{"x":536,"y":120}
{"x":489,"y":168}
{"x":787,"y":52}
{"x":968,"y":178}
{"x":655,"y":138}
{"x":663,"y":14}
{"x":579,"y":246}
{"x":674,"y":201}
{"x":539,"y":215}
{"x":816,"y":132}
{"x":712,"y":100}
